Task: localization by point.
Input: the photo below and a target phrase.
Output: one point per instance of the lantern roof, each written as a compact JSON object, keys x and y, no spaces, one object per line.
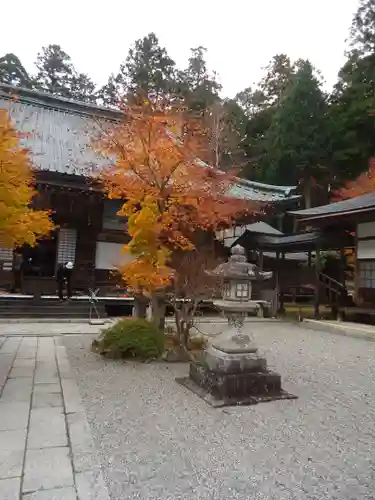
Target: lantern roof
{"x":237,"y":268}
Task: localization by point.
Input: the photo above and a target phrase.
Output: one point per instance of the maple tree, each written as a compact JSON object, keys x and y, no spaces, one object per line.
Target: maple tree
{"x":170,"y":195}
{"x":190,"y":286}
{"x":19,"y":223}
{"x":364,"y":184}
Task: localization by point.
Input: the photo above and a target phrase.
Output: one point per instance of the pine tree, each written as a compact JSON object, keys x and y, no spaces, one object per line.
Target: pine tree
{"x":58,"y":76}
{"x":55,"y":71}
{"x":13,"y":72}
{"x":298,"y":137}
{"x":362,"y":32}
{"x":353,"y":99}
{"x":196,"y":85}
{"x":109,"y":94}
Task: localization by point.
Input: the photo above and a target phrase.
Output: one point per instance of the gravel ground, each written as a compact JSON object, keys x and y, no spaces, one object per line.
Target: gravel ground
{"x":158,"y":441}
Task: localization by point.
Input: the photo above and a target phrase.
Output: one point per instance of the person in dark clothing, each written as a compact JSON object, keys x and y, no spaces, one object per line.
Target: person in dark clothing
{"x":63,"y":277}
{"x":17,"y":272}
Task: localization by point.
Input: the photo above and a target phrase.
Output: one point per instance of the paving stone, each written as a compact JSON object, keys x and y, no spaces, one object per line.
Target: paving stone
{"x":12,"y":447}
{"x":13,"y":415}
{"x":65,"y":369}
{"x":26,"y":353}
{"x":46,"y":348}
{"x":10,"y":346}
{"x":17,"y":390}
{"x":10,"y":489}
{"x":47,"y":469}
{"x":54,"y":388}
{"x":55,"y":494}
{"x":85,"y":456}
{"x":46,"y":378}
{"x":6,"y":361}
{"x":46,"y":372}
{"x":63,"y":362}
{"x":72,"y":398}
{"x":11,"y":463}
{"x":23,"y":363}
{"x":13,"y":440}
{"x":22,"y":371}
{"x":46,"y":400}
{"x":90,"y":486}
{"x":47,"y":428}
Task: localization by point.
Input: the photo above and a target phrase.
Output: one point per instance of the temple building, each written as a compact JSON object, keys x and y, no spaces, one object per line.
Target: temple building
{"x":88,"y":231}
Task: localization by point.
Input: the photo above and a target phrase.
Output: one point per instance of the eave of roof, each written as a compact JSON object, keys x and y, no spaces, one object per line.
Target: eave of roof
{"x":46,"y":100}
{"x":299,"y":242}
{"x":359,"y":204}
{"x":243,"y":189}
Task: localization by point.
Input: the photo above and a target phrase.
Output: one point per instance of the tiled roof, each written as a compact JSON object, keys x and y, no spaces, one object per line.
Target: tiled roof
{"x":360,"y":203}
{"x":231,"y":235}
{"x":59,"y":139}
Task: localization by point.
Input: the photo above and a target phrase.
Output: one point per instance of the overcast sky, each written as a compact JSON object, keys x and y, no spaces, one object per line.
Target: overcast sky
{"x":241,"y":35}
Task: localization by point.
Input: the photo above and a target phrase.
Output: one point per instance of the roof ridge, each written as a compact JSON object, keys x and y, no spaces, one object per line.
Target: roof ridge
{"x":47,"y":100}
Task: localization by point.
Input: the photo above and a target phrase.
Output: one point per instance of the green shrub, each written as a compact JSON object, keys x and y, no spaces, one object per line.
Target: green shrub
{"x":131,"y":338}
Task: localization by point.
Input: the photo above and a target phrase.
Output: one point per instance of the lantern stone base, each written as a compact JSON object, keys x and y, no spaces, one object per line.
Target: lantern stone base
{"x":219,"y":361}
{"x":231,"y":372}
{"x":235,"y":385}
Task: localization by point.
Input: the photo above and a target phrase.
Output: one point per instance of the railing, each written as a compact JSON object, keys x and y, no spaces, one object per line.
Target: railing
{"x":336,"y":290}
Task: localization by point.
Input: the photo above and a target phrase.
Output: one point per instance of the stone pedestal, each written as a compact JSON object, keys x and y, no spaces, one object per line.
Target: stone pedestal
{"x":232,"y":368}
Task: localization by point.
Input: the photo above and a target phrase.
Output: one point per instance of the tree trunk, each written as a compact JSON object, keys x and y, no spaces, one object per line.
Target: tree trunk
{"x":158,"y":306}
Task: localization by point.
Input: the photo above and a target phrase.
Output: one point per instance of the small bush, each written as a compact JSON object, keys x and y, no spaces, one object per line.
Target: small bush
{"x":131,"y":338}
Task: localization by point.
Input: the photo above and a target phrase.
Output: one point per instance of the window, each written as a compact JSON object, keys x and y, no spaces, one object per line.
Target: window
{"x":110,"y":218}
{"x":366,"y":274}
{"x":242,"y":290}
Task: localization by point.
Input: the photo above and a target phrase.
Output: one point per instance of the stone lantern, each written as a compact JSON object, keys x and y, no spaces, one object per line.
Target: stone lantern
{"x":231,"y":370}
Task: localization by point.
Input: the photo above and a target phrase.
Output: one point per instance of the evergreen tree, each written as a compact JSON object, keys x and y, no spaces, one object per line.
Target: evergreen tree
{"x":109,"y":94}
{"x":82,"y":88}
{"x":13,"y":72}
{"x":260,"y":105}
{"x":57,"y":75}
{"x":196,"y":85}
{"x":274,"y":84}
{"x":353,"y":99}
{"x":362,"y":32}
{"x":55,"y":71}
{"x":298,"y":137}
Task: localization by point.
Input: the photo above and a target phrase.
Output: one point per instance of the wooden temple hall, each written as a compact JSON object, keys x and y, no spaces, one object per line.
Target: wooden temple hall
{"x":89,"y":233}
{"x":316,"y":258}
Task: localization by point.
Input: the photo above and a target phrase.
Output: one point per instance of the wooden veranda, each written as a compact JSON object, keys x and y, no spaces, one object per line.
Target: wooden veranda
{"x":329,"y":286}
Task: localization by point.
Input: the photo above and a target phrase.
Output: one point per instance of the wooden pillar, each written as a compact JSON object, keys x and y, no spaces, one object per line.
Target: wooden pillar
{"x":277,"y":284}
{"x":260,"y":261}
{"x":342,"y":270}
{"x":281,"y":290}
{"x":280,"y":222}
{"x":295,"y":225}
{"x":317,"y":283}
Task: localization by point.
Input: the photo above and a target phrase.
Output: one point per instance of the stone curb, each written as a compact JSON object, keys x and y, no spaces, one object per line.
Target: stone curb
{"x":340,"y":329}
{"x":5,"y":321}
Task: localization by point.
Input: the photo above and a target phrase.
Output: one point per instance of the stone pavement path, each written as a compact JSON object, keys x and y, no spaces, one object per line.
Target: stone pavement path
{"x":46,"y":447}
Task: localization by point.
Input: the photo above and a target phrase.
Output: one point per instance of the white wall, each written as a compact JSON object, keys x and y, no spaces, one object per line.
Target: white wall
{"x":110,"y":255}
{"x":366,"y":229}
{"x":366,"y":249}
